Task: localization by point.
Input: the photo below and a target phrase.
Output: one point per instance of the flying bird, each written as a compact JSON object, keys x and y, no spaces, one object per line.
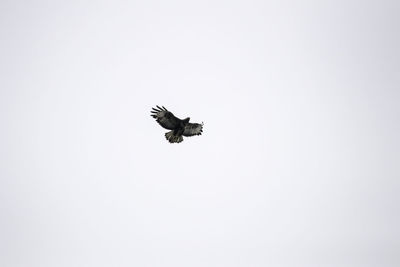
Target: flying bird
{"x":178,"y":127}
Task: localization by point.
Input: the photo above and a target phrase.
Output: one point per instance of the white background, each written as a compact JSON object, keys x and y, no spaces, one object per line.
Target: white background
{"x":298,"y":164}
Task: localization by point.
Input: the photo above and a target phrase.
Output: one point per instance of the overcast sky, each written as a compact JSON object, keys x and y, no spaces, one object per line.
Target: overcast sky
{"x":298,"y":165}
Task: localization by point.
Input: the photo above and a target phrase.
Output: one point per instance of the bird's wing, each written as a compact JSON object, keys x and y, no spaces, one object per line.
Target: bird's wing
{"x":193,"y":129}
{"x":165,"y":118}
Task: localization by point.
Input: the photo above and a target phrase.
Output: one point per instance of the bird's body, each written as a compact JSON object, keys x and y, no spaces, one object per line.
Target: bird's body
{"x":178,"y":127}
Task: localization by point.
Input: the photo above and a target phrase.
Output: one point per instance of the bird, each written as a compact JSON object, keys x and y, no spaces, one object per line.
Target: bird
{"x":178,"y":127}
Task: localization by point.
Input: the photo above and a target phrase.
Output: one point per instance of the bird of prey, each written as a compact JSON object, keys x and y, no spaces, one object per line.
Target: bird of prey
{"x":178,"y":127}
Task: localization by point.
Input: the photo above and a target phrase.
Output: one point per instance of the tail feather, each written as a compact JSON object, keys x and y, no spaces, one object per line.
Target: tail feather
{"x":173,"y":138}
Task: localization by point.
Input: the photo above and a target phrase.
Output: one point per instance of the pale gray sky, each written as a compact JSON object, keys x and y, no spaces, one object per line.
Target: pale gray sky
{"x":298,"y":164}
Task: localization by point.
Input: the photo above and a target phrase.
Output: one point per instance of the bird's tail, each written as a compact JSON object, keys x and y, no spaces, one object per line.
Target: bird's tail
{"x":173,"y":138}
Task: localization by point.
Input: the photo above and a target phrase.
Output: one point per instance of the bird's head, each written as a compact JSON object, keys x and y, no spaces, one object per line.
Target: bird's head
{"x":186,"y":120}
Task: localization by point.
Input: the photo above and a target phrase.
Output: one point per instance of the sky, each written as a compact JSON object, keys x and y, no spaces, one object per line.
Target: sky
{"x":298,"y":164}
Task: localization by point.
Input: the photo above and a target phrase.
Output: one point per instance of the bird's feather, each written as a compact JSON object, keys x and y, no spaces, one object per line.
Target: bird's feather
{"x":165,"y":118}
{"x":193,"y":129}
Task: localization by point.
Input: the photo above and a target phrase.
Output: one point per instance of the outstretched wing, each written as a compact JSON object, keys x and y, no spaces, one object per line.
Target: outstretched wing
{"x":193,"y":129}
{"x":165,"y":118}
